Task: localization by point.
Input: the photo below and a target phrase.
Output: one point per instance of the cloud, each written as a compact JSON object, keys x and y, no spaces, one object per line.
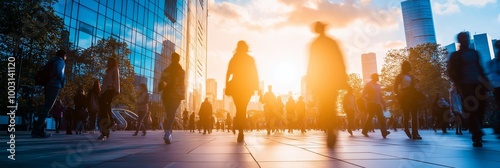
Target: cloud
{"x":339,"y":15}
{"x":398,"y":44}
{"x":478,"y":3}
{"x":448,"y":7}
{"x":258,"y":15}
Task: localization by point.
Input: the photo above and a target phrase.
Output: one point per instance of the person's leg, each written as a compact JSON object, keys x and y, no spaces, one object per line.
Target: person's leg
{"x":406,"y":120}
{"x":350,"y":121}
{"x":105,"y":120}
{"x":50,"y":94}
{"x":241,"y":104}
{"x":414,"y":123}
{"x":327,"y":107}
{"x":473,"y":108}
{"x":171,"y":106}
{"x":139,"y":122}
{"x":380,"y":118}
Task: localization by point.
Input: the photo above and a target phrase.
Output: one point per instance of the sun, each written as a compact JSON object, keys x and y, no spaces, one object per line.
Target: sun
{"x":285,"y":77}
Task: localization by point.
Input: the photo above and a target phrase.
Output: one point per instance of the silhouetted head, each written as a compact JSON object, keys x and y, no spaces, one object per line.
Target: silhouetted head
{"x":62,"y":54}
{"x":241,"y":47}
{"x":290,"y":98}
{"x":206,"y":99}
{"x":112,"y":63}
{"x":497,"y":44}
{"x":405,"y":67}
{"x":374,"y":77}
{"x":143,"y":87}
{"x":319,"y":27}
{"x":97,"y":86}
{"x":175,"y":58}
{"x":301,"y":98}
{"x":270,"y":88}
{"x":464,"y":39}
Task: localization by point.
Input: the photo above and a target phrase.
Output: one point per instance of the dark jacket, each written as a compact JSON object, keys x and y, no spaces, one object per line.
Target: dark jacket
{"x":173,"y":76}
{"x":326,"y":72}
{"x":245,"y":79}
{"x":205,"y":110}
{"x":58,"y":80}
{"x":455,"y":67}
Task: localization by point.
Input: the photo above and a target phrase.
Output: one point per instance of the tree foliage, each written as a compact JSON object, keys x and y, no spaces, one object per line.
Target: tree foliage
{"x":30,"y":32}
{"x":84,"y":67}
{"x":428,"y":66}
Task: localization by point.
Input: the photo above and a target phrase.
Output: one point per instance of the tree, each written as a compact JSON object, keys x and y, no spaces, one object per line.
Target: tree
{"x":428,"y":66}
{"x":31,"y":33}
{"x":89,"y":65}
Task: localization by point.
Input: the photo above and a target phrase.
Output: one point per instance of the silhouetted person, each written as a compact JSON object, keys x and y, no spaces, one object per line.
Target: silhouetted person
{"x":110,"y":88}
{"x":241,"y":82}
{"x":456,"y":109}
{"x":185,"y":119}
{"x":439,"y":109}
{"x":206,"y":116}
{"x":57,"y":114}
{"x":50,"y":91}
{"x":406,"y":91}
{"x":80,"y":101}
{"x":351,"y":109}
{"x":68,"y":118}
{"x":229,"y":121}
{"x":279,"y":110}
{"x":142,"y":108}
{"x":191,"y":122}
{"x":375,"y":104}
{"x":494,"y":77}
{"x":93,"y":97}
{"x":269,"y":101}
{"x":326,"y":74}
{"x":172,"y":86}
{"x":290,"y":113}
{"x":467,"y":75}
{"x":300,"y":108}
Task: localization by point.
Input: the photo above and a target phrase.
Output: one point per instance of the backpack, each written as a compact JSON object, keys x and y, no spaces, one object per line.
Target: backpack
{"x":44,"y":74}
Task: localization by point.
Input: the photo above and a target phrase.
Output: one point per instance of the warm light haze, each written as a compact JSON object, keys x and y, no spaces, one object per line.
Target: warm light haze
{"x":279,"y":32}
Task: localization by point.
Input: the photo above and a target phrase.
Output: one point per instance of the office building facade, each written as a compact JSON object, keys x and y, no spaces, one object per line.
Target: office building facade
{"x":484,"y":47}
{"x":418,"y":22}
{"x":153,"y":30}
{"x":368,"y":66}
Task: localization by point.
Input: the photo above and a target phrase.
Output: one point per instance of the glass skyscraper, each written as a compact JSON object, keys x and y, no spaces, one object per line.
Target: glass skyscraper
{"x":369,"y":66}
{"x":418,"y":22}
{"x":153,"y":30}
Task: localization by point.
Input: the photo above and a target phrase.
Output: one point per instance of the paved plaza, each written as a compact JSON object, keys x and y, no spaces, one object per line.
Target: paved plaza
{"x":220,"y":150}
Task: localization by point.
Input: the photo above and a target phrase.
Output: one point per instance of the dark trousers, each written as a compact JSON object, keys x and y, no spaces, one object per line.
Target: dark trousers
{"x":50,"y":94}
{"x":92,"y":119}
{"x":58,"y":123}
{"x":141,"y":121}
{"x":374,"y":109}
{"x":241,"y":103}
{"x":171,"y":106}
{"x":473,"y":102}
{"x":328,"y":111}
{"x":105,"y":120}
{"x":350,"y":120}
{"x":410,"y":109}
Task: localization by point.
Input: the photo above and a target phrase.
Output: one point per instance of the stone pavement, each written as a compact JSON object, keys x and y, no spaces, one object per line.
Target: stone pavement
{"x":220,"y":150}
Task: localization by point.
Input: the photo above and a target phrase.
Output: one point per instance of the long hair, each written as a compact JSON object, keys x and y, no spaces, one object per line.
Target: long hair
{"x":96,"y":87}
{"x":242,"y":47}
{"x":112,"y":63}
{"x":405,"y":67}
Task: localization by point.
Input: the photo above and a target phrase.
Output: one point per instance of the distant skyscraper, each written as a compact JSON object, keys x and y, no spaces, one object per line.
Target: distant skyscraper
{"x":483,"y":45}
{"x":212,"y":90}
{"x":369,"y":66}
{"x":452,"y":48}
{"x":418,"y":22}
{"x":495,"y":50}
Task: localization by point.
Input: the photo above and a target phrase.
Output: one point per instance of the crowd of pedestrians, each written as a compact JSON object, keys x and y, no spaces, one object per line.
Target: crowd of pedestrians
{"x":326,"y":76}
